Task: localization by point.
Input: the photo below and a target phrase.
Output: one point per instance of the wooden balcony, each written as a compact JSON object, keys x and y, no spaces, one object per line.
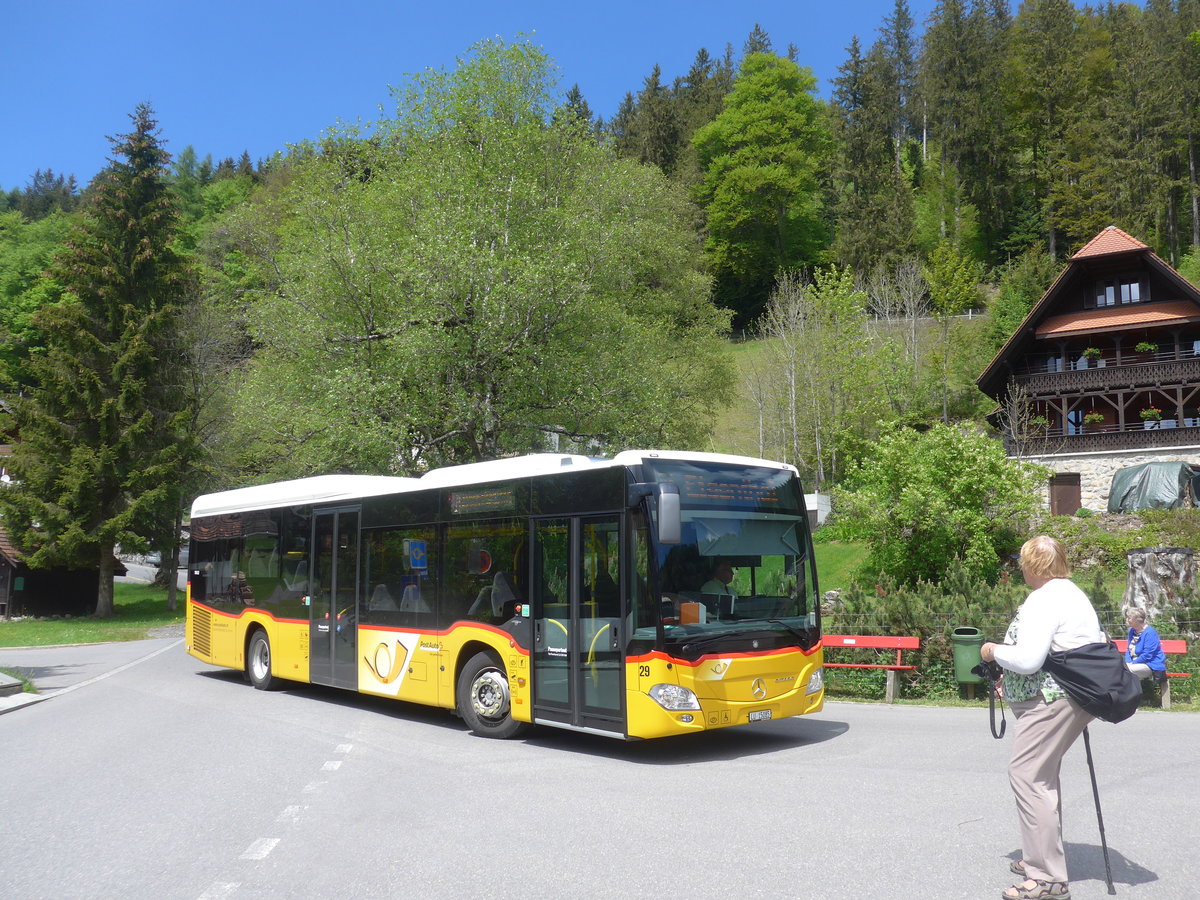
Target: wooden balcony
{"x":1156,"y":374}
{"x":1100,"y":439}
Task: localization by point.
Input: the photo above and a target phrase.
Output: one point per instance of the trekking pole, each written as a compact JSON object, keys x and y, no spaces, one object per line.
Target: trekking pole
{"x":1087,"y":746}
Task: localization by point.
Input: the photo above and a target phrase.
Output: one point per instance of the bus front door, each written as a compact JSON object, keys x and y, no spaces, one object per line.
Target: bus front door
{"x":578,"y":675}
{"x":333,"y":596}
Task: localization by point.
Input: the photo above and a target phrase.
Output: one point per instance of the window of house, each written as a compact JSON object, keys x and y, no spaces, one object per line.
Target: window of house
{"x":1123,"y":289}
{"x":1075,"y":422}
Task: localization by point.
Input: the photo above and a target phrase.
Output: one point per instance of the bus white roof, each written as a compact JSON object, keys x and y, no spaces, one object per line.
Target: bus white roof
{"x":332,"y":488}
{"x":512,"y":467}
{"x":637,"y":457}
{"x":300,"y":492}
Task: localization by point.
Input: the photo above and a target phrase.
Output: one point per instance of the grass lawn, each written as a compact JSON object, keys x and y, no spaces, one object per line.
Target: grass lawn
{"x":836,"y":562}
{"x":736,"y":428}
{"x":138,"y":608}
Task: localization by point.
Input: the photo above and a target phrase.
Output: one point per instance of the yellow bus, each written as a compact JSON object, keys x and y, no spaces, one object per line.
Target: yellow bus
{"x":651,"y":594}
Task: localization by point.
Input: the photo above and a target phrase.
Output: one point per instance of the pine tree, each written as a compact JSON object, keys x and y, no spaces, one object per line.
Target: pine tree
{"x":47,"y":192}
{"x":757,"y":41}
{"x":575,"y":103}
{"x":873,"y":199}
{"x":97,"y":453}
{"x":898,"y":48}
{"x":962,"y":59}
{"x":653,"y":132}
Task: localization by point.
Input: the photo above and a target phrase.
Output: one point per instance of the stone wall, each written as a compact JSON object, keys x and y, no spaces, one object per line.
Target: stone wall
{"x":1096,"y":470}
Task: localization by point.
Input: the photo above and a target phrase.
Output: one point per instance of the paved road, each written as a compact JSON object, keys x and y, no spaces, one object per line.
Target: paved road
{"x":143,"y":574}
{"x":167,"y":778}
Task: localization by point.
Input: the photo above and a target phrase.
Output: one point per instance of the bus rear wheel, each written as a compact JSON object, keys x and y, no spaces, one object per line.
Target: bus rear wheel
{"x":483,"y":698}
{"x":258,"y":662}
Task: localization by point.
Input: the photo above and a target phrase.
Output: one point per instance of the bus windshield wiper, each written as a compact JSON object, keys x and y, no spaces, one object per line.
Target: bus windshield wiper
{"x":705,"y":640}
{"x":802,"y":635}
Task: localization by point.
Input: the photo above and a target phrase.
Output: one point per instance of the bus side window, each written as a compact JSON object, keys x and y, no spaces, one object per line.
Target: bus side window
{"x":485,"y":570}
{"x":291,"y":569}
{"x":396,"y":591}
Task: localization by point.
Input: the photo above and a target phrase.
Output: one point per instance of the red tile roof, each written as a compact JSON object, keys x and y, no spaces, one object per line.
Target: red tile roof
{"x":1119,"y":317}
{"x":7,"y":550}
{"x":1111,"y":240}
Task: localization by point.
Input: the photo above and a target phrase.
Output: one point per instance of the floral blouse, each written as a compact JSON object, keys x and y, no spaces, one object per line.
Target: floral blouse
{"x":1018,"y":687}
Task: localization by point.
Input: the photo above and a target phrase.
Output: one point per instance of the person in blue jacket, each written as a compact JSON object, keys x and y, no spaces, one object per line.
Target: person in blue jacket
{"x":1144,"y":655}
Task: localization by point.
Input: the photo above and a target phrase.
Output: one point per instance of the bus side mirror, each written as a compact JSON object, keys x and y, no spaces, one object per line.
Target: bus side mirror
{"x":669,"y":526}
{"x":667,"y":496}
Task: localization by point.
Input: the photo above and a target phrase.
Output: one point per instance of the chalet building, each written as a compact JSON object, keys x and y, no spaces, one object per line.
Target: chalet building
{"x":1103,"y":373}
{"x":57,"y":591}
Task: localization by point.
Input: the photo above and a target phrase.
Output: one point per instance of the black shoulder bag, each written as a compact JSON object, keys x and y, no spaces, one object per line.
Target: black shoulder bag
{"x":1095,"y":677}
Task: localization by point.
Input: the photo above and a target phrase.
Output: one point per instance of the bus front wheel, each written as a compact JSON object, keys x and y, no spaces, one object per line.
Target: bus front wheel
{"x":483,"y":698}
{"x":258,"y":662}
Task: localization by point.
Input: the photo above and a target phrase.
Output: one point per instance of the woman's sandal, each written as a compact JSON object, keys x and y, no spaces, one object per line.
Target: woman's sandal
{"x":1041,"y":890}
{"x":1017,"y":868}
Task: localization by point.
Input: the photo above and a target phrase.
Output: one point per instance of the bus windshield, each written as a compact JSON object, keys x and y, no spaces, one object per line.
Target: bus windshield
{"x":741,"y":576}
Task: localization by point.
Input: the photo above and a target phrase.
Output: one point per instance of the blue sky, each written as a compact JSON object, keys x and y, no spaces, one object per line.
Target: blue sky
{"x":257,"y":75}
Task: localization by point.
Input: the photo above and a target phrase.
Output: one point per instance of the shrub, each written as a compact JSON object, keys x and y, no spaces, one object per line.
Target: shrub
{"x":921,"y":499}
{"x":929,"y":611}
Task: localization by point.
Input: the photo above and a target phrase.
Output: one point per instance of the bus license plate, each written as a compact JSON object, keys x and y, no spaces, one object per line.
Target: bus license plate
{"x":760,"y":715}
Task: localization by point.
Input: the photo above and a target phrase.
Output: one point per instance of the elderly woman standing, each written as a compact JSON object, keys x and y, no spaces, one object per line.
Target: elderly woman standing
{"x":1144,"y":655}
{"x":1056,"y":615}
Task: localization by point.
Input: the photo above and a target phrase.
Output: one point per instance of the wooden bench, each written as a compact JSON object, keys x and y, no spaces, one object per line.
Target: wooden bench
{"x":1170,"y":648}
{"x":875,"y":642}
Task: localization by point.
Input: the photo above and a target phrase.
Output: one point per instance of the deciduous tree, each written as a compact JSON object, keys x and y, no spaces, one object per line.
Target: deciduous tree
{"x":479,"y":279}
{"x":763,"y":157}
{"x":921,"y":499}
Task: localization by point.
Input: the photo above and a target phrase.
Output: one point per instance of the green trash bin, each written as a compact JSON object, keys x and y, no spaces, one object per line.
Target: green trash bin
{"x":967,"y":642}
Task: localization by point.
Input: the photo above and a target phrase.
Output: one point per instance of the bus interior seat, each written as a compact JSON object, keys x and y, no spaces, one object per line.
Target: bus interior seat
{"x":504,"y":596}
{"x":298,"y":579}
{"x":382,"y":600}
{"x":411,"y":600}
{"x":483,"y":600}
{"x":499,"y":596}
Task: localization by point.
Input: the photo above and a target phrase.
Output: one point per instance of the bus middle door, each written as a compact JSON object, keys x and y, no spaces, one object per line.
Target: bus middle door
{"x":333,"y":626}
{"x":578,"y":670}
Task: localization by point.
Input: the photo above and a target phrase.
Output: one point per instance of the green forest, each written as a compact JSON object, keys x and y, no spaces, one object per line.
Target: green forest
{"x":728,"y":261}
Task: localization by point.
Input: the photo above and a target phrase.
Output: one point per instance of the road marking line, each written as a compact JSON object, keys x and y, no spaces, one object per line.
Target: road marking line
{"x":344,"y":748}
{"x":260,"y":849}
{"x":116,"y":671}
{"x":331,"y":765}
{"x":218,"y":890}
{"x":312,"y":787}
{"x":291,"y":814}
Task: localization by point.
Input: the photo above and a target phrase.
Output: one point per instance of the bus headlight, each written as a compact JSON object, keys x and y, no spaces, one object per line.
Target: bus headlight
{"x":816,"y":682}
{"x":672,"y":696}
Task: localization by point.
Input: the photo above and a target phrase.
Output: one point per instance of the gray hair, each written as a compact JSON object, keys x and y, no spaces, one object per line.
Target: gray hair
{"x":1135,"y":612}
